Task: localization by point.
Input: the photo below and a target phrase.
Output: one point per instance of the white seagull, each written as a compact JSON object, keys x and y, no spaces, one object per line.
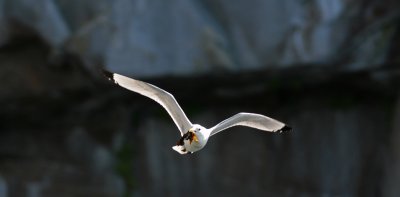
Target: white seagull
{"x":193,"y":136}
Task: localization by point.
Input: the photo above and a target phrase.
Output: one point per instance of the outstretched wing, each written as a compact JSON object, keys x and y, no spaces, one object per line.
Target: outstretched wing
{"x":256,"y":121}
{"x":162,"y":97}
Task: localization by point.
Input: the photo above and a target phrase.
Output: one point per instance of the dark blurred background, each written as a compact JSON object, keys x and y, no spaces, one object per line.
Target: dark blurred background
{"x":328,"y":68}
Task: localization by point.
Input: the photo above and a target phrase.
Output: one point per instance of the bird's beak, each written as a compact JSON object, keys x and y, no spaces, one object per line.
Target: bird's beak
{"x":195,"y":138}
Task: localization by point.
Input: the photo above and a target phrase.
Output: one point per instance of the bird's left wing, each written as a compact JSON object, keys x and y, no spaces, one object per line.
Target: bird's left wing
{"x":159,"y":95}
{"x":256,"y":121}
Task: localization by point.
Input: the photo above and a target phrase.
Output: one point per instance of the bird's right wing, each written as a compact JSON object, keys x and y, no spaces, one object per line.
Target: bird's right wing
{"x":256,"y":121}
{"x":159,"y":95}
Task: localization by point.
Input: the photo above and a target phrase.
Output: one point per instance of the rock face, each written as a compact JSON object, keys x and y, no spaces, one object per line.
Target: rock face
{"x":326,"y":67}
{"x":154,"y":38}
{"x":339,"y":159}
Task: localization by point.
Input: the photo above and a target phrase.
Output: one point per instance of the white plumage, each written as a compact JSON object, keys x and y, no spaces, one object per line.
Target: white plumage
{"x":193,"y":136}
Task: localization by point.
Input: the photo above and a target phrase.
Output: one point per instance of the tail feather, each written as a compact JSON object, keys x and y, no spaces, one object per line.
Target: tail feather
{"x":180,"y":149}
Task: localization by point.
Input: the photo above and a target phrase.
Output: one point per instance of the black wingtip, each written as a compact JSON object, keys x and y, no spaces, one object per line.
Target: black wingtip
{"x":108,"y":74}
{"x":285,"y":129}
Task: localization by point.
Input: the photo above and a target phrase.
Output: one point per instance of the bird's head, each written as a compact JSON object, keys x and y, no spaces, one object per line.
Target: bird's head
{"x":200,"y":132}
{"x":196,"y":129}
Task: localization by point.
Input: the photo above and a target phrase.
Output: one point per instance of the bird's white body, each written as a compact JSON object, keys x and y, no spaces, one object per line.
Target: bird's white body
{"x":193,"y":136}
{"x":197,"y":139}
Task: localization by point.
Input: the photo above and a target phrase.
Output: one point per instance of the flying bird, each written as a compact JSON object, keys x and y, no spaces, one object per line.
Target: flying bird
{"x":193,"y":136}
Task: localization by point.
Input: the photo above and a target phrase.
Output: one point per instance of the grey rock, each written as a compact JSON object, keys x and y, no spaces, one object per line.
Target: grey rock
{"x":392,"y":170}
{"x":371,"y":47}
{"x":35,"y":189}
{"x":240,"y":155}
{"x":269,"y":33}
{"x":4,"y":34}
{"x":91,"y":28}
{"x":158,"y":38}
{"x":3,"y":187}
{"x":41,"y":16}
{"x":85,"y":149}
{"x":154,"y":38}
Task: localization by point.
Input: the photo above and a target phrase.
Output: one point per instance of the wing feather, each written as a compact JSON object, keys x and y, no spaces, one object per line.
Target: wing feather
{"x":256,"y":121}
{"x":157,"y":94}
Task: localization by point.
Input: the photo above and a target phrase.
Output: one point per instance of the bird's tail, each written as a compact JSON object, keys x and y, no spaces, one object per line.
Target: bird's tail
{"x":180,"y":149}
